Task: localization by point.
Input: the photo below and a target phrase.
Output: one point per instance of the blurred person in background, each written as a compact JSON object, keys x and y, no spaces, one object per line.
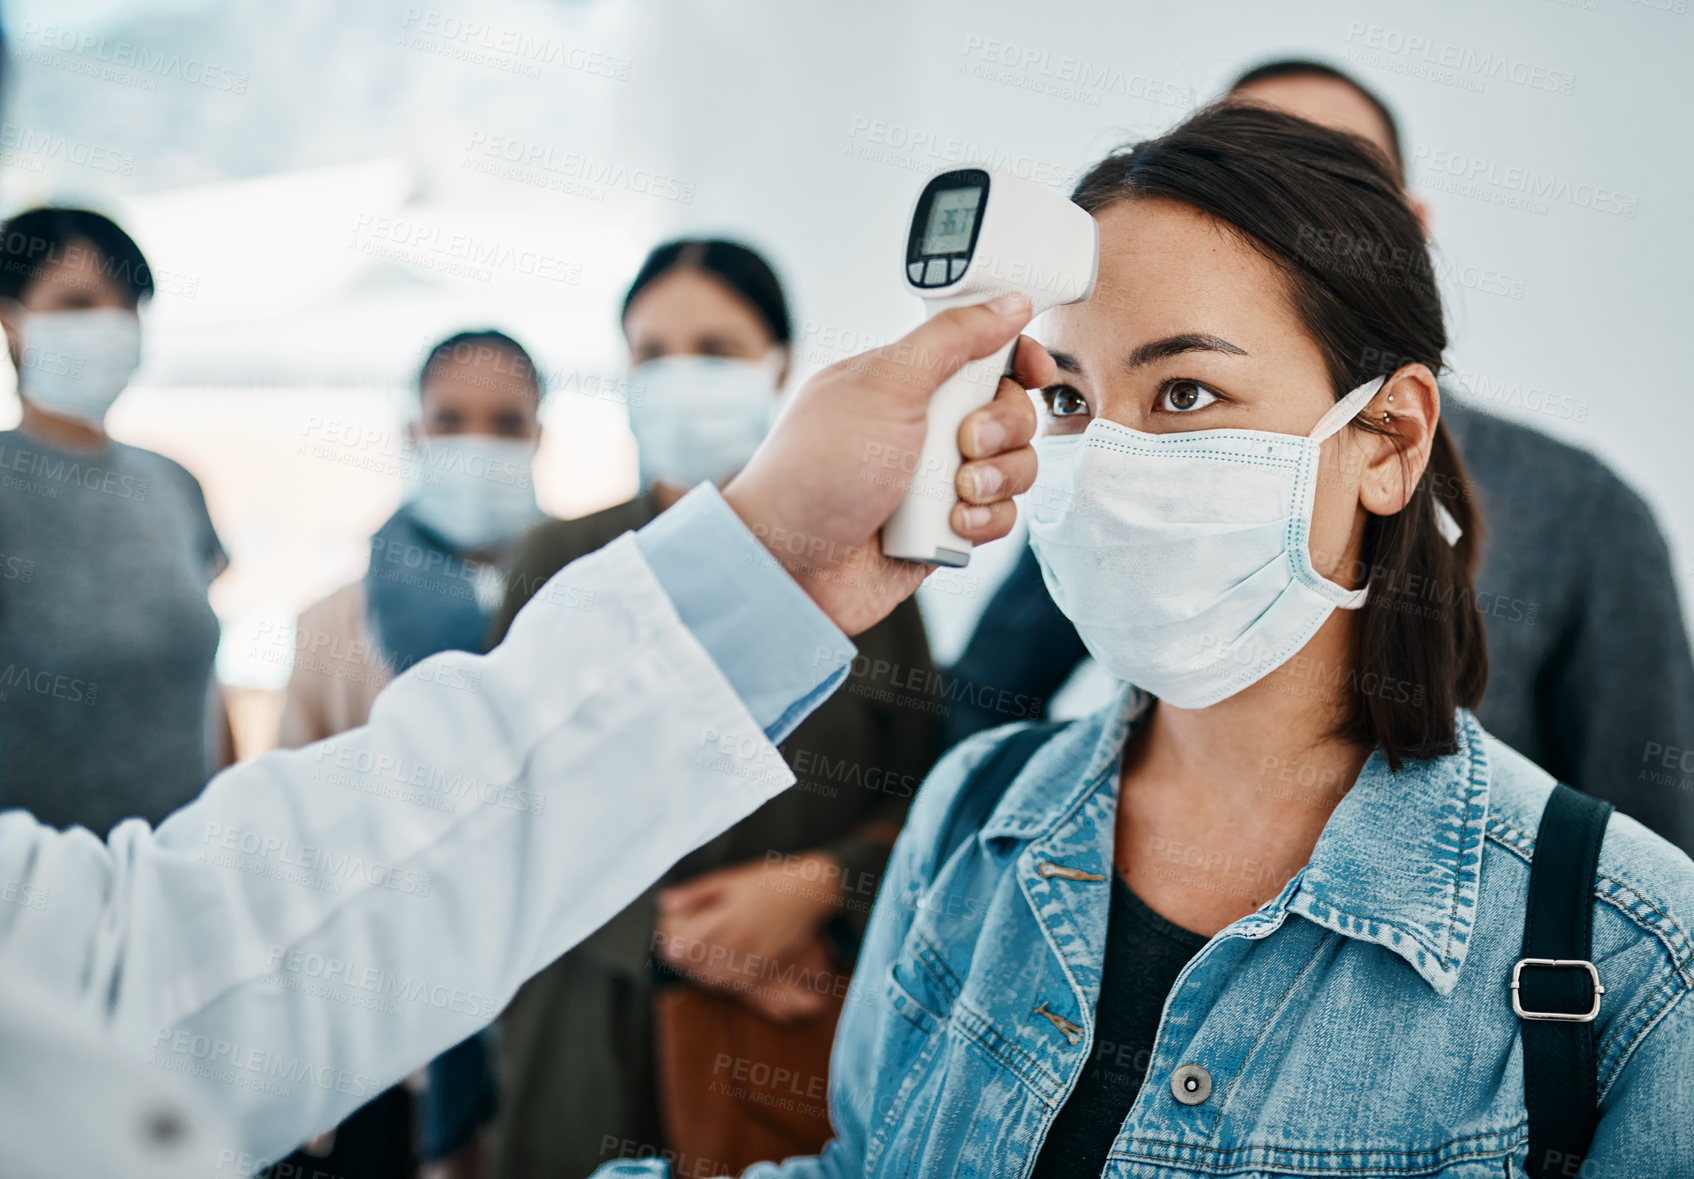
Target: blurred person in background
{"x":742,"y":953}
{"x":108,"y":707}
{"x":1590,"y":671}
{"x":436,"y":574}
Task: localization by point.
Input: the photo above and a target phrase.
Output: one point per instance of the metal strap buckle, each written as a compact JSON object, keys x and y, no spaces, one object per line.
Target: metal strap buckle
{"x":1562,"y":1016}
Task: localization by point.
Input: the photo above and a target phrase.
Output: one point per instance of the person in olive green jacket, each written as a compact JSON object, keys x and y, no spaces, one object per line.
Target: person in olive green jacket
{"x":765,"y":918}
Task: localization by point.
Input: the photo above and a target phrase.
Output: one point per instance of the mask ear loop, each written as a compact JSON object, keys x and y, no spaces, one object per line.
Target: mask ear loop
{"x":1446,"y":525}
{"x":1346,"y":410}
{"x":1339,"y":415}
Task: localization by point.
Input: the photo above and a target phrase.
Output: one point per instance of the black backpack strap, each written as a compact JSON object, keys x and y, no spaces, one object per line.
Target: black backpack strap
{"x":1556,"y":989}
{"x":986,"y":785}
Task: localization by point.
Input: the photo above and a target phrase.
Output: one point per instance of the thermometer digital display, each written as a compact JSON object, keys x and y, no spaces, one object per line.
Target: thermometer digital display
{"x":952,"y":217}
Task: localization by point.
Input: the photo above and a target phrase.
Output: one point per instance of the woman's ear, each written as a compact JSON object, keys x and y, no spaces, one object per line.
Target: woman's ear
{"x":1402,"y":416}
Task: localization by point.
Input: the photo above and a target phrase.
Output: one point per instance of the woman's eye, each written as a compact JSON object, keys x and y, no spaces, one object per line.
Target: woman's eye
{"x":1185,"y":397}
{"x":1064,"y":402}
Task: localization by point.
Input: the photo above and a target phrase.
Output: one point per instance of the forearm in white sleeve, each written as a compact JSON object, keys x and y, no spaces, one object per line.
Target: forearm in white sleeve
{"x":321,"y":921}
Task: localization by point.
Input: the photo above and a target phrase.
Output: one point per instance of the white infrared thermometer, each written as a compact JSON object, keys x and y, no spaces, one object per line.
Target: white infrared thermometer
{"x":977,"y":233}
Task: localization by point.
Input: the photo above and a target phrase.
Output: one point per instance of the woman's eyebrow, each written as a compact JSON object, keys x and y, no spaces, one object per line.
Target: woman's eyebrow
{"x":1065,"y":361}
{"x":1176,"y":345}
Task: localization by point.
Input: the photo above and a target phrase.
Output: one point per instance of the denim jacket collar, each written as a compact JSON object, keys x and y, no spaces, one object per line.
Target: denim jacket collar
{"x":1397,"y":864}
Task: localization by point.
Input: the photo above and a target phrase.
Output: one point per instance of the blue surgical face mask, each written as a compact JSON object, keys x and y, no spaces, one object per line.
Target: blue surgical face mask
{"x":475,"y":491}
{"x":75,"y":363}
{"x":1183,"y":559}
{"x":700,"y":418}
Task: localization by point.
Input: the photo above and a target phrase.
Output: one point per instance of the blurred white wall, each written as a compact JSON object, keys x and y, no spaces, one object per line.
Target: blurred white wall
{"x":318,"y":180}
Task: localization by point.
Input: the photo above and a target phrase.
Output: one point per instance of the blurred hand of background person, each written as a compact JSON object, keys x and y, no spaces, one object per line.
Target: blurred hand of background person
{"x":721,"y":928}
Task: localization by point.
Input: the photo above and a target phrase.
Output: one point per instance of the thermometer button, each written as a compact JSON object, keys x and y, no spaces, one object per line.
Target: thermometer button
{"x":936,"y":273}
{"x":956,"y":267}
{"x":915,"y":269}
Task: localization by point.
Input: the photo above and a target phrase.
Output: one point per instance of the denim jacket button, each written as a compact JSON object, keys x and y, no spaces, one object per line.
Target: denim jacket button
{"x":1191,"y":1084}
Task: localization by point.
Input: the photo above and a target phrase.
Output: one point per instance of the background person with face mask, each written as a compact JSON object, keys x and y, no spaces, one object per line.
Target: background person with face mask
{"x":622,"y":1040}
{"x":106,"y":550}
{"x":436,"y":574}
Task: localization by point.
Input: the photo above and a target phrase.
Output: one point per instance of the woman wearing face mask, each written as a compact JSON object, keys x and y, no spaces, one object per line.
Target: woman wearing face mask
{"x":106,"y":550}
{"x":1259,"y":916}
{"x":741,"y":957}
{"x":437,"y":569}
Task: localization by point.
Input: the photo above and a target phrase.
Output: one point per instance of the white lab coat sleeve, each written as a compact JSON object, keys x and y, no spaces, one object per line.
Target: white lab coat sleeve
{"x":322,"y":921}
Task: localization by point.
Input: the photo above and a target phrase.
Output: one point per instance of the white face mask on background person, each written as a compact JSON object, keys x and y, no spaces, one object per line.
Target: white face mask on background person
{"x":75,"y":363}
{"x":473,"y":490}
{"x":700,"y":418}
{"x":1182,"y":559}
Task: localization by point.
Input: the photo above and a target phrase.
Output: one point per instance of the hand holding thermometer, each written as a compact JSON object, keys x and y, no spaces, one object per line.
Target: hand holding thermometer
{"x":977,"y":233}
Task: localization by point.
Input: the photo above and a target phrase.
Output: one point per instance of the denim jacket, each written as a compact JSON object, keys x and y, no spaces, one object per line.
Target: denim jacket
{"x":1359,"y":1024}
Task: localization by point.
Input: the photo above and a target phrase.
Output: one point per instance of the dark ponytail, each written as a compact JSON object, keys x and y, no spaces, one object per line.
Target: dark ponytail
{"x":1327,"y":209}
